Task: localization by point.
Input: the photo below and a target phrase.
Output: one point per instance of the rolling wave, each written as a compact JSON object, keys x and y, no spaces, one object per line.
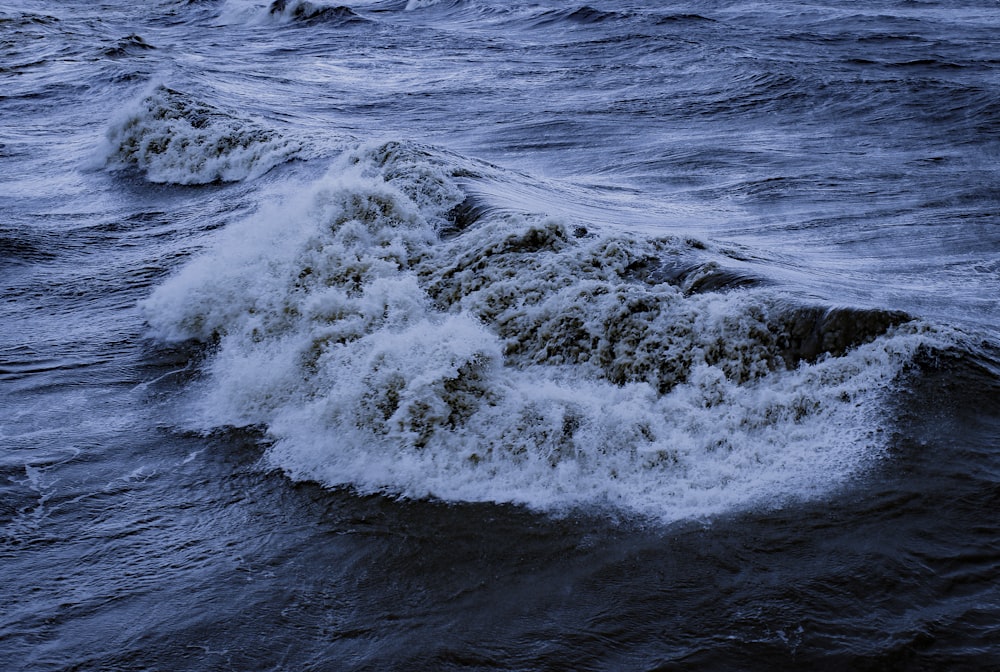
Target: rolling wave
{"x":392,"y":337}
{"x":309,"y":12}
{"x":172,"y":138}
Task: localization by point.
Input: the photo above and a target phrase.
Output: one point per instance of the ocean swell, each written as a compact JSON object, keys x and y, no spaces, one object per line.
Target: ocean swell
{"x":392,"y":338}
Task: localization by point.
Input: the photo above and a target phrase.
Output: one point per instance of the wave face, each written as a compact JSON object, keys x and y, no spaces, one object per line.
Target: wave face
{"x":392,"y":336}
{"x":172,"y":138}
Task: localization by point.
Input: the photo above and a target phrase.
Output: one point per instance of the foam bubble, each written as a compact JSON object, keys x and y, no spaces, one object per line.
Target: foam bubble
{"x":392,"y":340}
{"x":173,"y":138}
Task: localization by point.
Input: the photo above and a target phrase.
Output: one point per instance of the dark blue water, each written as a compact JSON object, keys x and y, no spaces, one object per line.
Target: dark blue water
{"x":480,"y":336}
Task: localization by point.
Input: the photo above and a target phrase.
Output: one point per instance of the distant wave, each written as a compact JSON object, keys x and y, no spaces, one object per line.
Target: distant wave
{"x":422,"y":4}
{"x":305,"y":11}
{"x":128,"y":46}
{"x":394,"y":337}
{"x":584,"y":14}
{"x":172,"y":138}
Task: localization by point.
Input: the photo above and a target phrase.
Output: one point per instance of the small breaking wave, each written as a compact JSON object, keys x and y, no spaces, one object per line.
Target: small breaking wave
{"x":392,"y":337}
{"x":309,"y":12}
{"x":172,"y":138}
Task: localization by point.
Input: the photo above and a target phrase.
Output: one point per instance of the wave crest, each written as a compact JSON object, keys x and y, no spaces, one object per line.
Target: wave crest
{"x":175,"y":139}
{"x":309,"y":12}
{"x":522,"y":359}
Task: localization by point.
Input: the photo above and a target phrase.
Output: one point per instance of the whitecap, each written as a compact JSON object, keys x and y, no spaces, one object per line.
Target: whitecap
{"x":172,"y":138}
{"x":522,"y":359}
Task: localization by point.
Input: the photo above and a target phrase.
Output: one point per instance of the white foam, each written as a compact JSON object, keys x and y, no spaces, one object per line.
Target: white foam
{"x":174,"y":139}
{"x":513,"y":362}
{"x":293,"y":10}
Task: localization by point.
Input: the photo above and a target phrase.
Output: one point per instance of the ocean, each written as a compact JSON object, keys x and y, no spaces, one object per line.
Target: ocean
{"x":468,"y":335}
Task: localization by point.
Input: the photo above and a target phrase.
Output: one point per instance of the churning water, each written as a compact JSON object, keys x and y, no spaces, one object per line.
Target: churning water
{"x":463,"y":335}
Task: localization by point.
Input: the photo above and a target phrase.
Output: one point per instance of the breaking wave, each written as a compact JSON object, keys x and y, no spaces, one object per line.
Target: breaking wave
{"x":172,"y":138}
{"x":393,"y":336}
{"x":303,"y":10}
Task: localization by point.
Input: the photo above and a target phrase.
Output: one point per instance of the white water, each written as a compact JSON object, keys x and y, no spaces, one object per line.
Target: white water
{"x":174,"y":139}
{"x":516,"y":360}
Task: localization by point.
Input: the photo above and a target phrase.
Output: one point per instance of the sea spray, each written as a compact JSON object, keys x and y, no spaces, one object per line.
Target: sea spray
{"x":173,"y":138}
{"x":390,"y":341}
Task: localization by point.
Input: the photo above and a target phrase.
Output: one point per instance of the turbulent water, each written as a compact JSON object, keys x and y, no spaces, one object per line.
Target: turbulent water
{"x":467,"y":335}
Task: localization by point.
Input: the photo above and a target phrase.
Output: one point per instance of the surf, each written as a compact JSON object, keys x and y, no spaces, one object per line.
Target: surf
{"x":391,"y":337}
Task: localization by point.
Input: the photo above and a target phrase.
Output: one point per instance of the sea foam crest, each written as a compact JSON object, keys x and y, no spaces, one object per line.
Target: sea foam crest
{"x":390,"y":345}
{"x":303,"y":10}
{"x":175,"y":139}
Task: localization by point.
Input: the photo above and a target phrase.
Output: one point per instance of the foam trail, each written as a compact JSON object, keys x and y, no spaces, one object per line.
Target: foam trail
{"x":390,"y":341}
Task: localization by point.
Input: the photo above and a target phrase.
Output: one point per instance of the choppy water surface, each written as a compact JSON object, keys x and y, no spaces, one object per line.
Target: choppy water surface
{"x":524,"y":336}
